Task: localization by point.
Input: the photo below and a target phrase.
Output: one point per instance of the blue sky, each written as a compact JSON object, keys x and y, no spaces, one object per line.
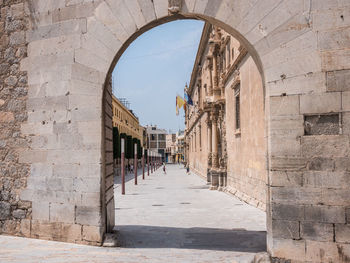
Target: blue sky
{"x":155,"y":68}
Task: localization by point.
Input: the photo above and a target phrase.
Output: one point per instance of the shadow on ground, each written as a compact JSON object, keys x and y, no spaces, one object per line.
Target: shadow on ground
{"x":240,"y":240}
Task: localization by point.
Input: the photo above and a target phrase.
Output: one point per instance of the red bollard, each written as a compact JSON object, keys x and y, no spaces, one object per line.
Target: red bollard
{"x":123,"y":166}
{"x":135,"y":162}
{"x":147,"y":163}
{"x":152,"y":168}
{"x":143,"y":164}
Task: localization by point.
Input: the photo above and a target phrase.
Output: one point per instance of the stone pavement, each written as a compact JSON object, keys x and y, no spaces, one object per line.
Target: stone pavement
{"x":172,"y":217}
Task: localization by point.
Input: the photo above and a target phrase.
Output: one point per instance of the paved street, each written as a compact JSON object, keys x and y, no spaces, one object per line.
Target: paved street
{"x":172,"y":217}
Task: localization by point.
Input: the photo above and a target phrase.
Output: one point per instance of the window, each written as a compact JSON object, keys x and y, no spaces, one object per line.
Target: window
{"x":237,"y":108}
{"x":161,"y":137}
{"x":233,"y":54}
{"x":153,"y":137}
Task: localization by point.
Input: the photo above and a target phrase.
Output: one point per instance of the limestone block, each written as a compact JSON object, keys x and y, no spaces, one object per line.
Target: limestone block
{"x":46,"y":5}
{"x":325,"y":146}
{"x":326,"y":179}
{"x":33,"y":156}
{"x":96,"y":47}
{"x":287,"y":163}
{"x":62,"y":213}
{"x":122,"y":13}
{"x":322,"y":251}
{"x":310,"y":62}
{"x":346,"y":101}
{"x":326,"y":4}
{"x":200,"y":6}
{"x":104,"y":14}
{"x":284,"y":145}
{"x":82,"y":87}
{"x":136,"y":12}
{"x":74,"y":156}
{"x":41,"y":210}
{"x":188,"y":6}
{"x":88,"y":215}
{"x":278,"y":16}
{"x":48,"y":78}
{"x":47,"y":63}
{"x":325,"y":214}
{"x":86,"y":114}
{"x":36,"y":183}
{"x":93,"y":199}
{"x":92,"y":233}
{"x":87,"y":58}
{"x":255,"y":15}
{"x":148,"y":11}
{"x":56,"y":231}
{"x":284,"y":105}
{"x":285,"y":178}
{"x":221,"y":10}
{"x":320,"y":103}
{"x":338,"y":80}
{"x":299,"y":195}
{"x":74,"y":11}
{"x":48,"y":103}
{"x":294,"y":28}
{"x":309,"y":83}
{"x":88,"y":75}
{"x":288,"y":248}
{"x":331,"y":19}
{"x":83,"y":101}
{"x":335,"y":197}
{"x":59,"y":184}
{"x":335,"y":59}
{"x":54,"y":46}
{"x":69,"y":27}
{"x":87,"y":184}
{"x":161,"y":8}
{"x":317,"y":231}
{"x":288,"y":211}
{"x":331,"y":40}
{"x":90,"y":170}
{"x":285,"y":229}
{"x":289,"y":125}
{"x":321,"y":164}
{"x":297,"y":48}
{"x":41,"y":170}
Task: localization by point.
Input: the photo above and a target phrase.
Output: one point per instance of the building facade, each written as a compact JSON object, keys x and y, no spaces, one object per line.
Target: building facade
{"x":126,"y":121}
{"x":156,"y":140}
{"x":225,"y":127}
{"x":170,"y":148}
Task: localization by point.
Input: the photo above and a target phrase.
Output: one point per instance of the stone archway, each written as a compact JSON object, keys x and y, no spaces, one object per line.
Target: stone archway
{"x":71,"y":47}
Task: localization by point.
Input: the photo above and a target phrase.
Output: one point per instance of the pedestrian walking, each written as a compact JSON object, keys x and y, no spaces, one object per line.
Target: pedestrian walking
{"x":164,"y":169}
{"x":187,"y":169}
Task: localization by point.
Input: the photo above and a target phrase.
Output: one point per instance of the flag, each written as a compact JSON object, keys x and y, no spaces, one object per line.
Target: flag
{"x":180,"y":101}
{"x":188,"y":99}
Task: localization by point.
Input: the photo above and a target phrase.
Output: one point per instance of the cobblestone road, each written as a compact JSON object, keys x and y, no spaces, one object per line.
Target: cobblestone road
{"x":165,"y":218}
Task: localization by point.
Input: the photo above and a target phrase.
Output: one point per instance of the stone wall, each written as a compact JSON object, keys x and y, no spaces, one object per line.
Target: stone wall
{"x":15,"y":214}
{"x":247,"y":150}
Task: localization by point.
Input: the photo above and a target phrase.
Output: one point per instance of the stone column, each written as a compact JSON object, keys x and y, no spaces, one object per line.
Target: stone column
{"x":214,"y":141}
{"x":208,"y":122}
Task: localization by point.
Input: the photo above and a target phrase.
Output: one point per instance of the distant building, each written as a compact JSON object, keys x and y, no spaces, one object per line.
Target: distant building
{"x":156,"y":140}
{"x":180,"y":147}
{"x":170,"y":148}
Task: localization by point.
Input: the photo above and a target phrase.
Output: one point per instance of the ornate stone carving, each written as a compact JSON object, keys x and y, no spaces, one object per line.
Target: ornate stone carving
{"x":209,"y":159}
{"x":174,"y":6}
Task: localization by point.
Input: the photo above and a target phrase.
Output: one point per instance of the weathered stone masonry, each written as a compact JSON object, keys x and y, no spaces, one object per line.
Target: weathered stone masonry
{"x":14,"y":213}
{"x":301,"y":48}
